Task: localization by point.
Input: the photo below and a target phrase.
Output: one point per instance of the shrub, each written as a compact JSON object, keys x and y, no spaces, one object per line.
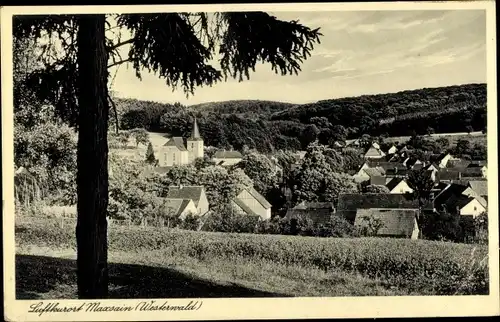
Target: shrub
{"x":230,"y":221}
{"x":336,"y":227}
{"x":191,"y":222}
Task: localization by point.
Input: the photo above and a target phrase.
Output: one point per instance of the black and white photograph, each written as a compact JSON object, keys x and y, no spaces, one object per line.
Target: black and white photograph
{"x":219,"y":152}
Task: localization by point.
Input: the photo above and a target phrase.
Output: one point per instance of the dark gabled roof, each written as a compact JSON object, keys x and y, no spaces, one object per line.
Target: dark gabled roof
{"x":373,"y":172}
{"x":348,"y":204}
{"x":177,"y":142}
{"x":451,"y":190}
{"x":396,"y":172}
{"x":396,"y":222}
{"x":260,"y":198}
{"x":458,"y":164}
{"x":315,"y":205}
{"x":228,"y":155}
{"x":472,"y":172}
{"x":318,"y":216}
{"x":385,"y":165}
{"x":448,"y":174}
{"x":377,"y":180}
{"x":457,"y":201}
{"x":411,"y":162}
{"x":186,"y":192}
{"x":354,"y":201}
{"x":393,"y":183}
{"x":176,"y":206}
{"x":479,"y":186}
{"x":418,"y":166}
{"x":478,"y":163}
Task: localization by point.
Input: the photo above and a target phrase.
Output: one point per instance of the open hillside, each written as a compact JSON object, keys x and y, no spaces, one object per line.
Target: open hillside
{"x":269,"y":125}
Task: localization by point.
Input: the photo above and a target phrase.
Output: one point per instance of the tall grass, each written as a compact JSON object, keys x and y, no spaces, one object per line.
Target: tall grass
{"x":421,"y":267}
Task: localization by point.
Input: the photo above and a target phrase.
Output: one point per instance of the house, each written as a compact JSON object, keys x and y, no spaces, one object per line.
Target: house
{"x":355,"y":143}
{"x":479,"y":186}
{"x":348,"y":204}
{"x":175,"y":152}
{"x":442,"y":160}
{"x":366,"y":174}
{"x":318,"y":212}
{"x":227,"y":158}
{"x":398,"y":223}
{"x":392,"y":150}
{"x":479,"y":165}
{"x":465,"y":205}
{"x":180,"y":208}
{"x":475,"y":172}
{"x":410,"y":163}
{"x":195,"y":193}
{"x":398,"y":185}
{"x":395,"y":172}
{"x":251,"y":202}
{"x":460,"y":198}
{"x":374,"y":152}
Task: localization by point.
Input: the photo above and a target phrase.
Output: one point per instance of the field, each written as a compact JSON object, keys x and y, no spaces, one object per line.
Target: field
{"x":156,"y":262}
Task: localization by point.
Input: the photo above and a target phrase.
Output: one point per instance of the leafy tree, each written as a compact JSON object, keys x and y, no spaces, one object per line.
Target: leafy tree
{"x":443,"y":143}
{"x":77,"y":83}
{"x":261,"y":170}
{"x":140,"y":135}
{"x":429,"y":131}
{"x":462,"y":147}
{"x":441,"y":225}
{"x":309,"y":135}
{"x":150,"y":154}
{"x":321,"y":122}
{"x":315,"y":180}
{"x":481,"y":228}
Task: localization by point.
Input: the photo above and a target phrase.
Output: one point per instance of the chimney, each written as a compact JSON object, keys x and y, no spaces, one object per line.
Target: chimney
{"x":459,"y":175}
{"x":181,"y":186}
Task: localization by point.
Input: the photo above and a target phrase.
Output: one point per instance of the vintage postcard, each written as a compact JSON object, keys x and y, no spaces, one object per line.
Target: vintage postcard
{"x":202,"y":162}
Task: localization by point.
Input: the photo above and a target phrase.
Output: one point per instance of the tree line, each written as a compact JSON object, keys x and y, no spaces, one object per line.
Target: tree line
{"x":276,"y":125}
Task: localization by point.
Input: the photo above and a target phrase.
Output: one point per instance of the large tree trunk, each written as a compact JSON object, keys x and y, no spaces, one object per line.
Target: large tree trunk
{"x":92,"y":176}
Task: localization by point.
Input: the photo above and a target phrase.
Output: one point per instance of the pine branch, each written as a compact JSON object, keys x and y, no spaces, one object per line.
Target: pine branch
{"x":121,"y":43}
{"x":119,"y":62}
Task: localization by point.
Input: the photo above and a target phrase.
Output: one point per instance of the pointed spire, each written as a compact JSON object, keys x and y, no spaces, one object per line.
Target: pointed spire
{"x":196,"y":131}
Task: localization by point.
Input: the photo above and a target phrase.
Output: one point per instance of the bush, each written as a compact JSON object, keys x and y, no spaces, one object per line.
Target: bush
{"x":422,"y":267}
{"x":191,"y":222}
{"x":336,"y":227}
{"x":229,"y":221}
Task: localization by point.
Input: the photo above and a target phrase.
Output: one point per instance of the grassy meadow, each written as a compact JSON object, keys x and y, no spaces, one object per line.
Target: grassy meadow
{"x":158,"y":262}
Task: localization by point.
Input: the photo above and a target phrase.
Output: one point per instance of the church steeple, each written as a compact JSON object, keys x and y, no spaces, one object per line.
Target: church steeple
{"x":196,"y":132}
{"x":195,"y":135}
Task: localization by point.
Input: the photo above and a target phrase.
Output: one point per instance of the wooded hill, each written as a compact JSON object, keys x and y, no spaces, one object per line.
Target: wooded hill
{"x":270,"y":125}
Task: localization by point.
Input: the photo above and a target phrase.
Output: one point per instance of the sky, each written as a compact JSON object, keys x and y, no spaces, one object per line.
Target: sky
{"x":361,"y":52}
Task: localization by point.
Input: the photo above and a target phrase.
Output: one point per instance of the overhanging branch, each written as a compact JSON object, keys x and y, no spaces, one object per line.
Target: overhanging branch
{"x":119,"y":62}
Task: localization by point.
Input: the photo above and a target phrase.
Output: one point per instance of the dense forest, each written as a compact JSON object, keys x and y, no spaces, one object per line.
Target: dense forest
{"x":269,"y":126}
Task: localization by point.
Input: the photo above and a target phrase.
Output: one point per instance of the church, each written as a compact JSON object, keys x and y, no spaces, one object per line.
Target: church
{"x":175,"y":152}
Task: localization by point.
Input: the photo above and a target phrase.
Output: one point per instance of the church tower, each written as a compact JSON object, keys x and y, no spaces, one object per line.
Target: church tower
{"x":195,"y":143}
